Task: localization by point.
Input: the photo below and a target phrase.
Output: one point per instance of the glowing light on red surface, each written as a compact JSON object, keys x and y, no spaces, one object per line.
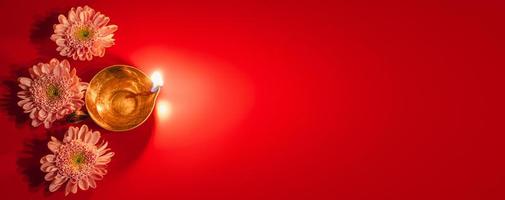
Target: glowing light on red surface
{"x":163,"y":110}
{"x":201,"y":95}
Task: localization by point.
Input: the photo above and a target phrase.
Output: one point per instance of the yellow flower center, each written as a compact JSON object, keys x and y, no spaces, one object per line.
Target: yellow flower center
{"x":78,"y":160}
{"x":83,"y":33}
{"x":52,"y":92}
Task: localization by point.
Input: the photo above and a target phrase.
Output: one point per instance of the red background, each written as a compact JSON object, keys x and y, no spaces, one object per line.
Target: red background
{"x":283,"y":100}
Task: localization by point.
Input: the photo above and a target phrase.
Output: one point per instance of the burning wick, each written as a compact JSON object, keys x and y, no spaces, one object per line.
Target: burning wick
{"x":157,"y":80}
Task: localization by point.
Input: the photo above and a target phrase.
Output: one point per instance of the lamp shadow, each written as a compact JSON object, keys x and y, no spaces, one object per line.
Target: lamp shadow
{"x":127,"y":146}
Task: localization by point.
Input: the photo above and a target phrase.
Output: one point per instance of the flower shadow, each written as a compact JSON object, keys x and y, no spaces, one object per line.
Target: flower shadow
{"x":8,"y":101}
{"x":28,"y":161}
{"x":41,"y":32}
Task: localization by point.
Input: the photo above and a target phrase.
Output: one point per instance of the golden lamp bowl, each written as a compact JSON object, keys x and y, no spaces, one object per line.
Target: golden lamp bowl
{"x":119,"y":99}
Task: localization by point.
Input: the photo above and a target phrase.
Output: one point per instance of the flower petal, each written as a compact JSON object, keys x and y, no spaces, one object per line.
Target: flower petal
{"x":100,"y":170}
{"x":47,"y":158}
{"x":95,"y":136}
{"x":36,"y":123}
{"x":36,"y":70}
{"x":45,"y":69}
{"x":25,"y":81}
{"x":41,"y":115}
{"x":102,"y":147}
{"x":57,"y":71}
{"x":33,"y":114}
{"x":102,"y":21}
{"x":53,"y":186}
{"x":60,"y":179}
{"x":50,"y":176}
{"x":28,"y":106}
{"x":69,"y":134}
{"x":54,"y":62}
{"x":48,"y":167}
{"x":72,"y":17}
{"x":59,"y":28}
{"x":65,"y":64}
{"x":62,"y":19}
{"x":96,"y":176}
{"x":105,"y":159}
{"x":107,"y":30}
{"x":71,"y":187}
{"x":83,"y":183}
{"x":47,"y":124}
{"x":82,"y":132}
{"x":92,"y":182}
{"x":23,"y":102}
{"x":53,"y":146}
{"x":60,"y":42}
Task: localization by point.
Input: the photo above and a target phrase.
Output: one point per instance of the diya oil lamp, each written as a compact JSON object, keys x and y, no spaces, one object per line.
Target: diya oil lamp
{"x":121,"y":97}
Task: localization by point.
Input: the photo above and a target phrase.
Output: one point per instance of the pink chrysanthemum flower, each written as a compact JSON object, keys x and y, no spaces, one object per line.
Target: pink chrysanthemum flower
{"x":77,"y":160}
{"x":52,"y":92}
{"x":83,"y":34}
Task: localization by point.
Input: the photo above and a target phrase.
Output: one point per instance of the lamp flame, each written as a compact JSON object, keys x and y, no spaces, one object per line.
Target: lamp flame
{"x":157,"y":80}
